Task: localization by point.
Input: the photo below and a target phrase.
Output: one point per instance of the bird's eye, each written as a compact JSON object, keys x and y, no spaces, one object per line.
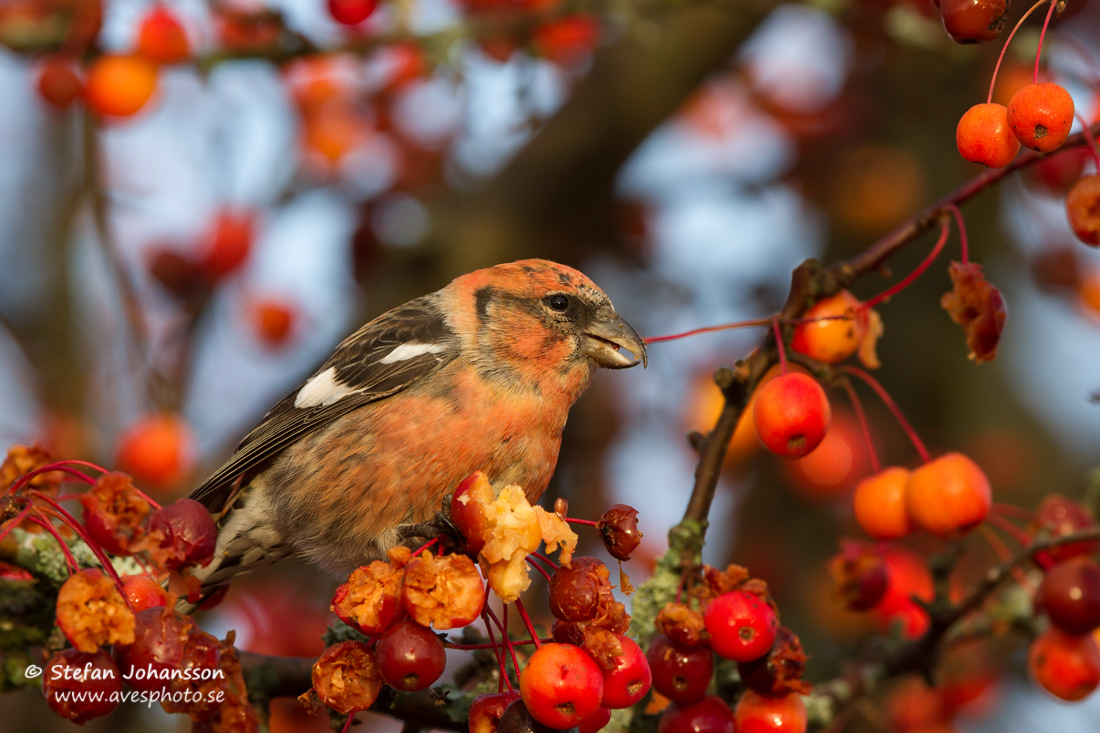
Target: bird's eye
{"x":559,"y":302}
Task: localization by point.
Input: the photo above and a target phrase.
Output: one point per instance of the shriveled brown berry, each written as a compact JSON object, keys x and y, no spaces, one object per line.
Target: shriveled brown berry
{"x":618,"y":528}
{"x":80,"y":685}
{"x":575,"y":591}
{"x":973,"y":21}
{"x":346,"y":677}
{"x":779,"y":671}
{"x":114,"y":513}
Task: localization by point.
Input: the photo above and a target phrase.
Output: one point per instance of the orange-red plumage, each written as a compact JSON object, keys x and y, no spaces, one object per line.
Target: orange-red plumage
{"x":477,"y":376}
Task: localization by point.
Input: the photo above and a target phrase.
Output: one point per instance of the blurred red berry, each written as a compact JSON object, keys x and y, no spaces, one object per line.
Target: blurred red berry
{"x":161,"y":37}
{"x":351,"y":12}
{"x":157,"y":450}
{"x":58,"y":83}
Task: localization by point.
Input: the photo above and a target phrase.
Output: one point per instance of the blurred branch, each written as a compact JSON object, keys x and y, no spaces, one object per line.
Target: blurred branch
{"x":571,"y":164}
{"x":127,"y":293}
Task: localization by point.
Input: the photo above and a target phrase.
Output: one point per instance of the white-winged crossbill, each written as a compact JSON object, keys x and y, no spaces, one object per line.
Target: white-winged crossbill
{"x":477,"y":376}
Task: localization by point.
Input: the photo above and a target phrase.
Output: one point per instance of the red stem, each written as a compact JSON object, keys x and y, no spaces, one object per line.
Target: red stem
{"x":857,"y":405}
{"x":1004,"y":48}
{"x":73,"y":565}
{"x":497,"y":653}
{"x":83,"y":534}
{"x":707,"y":329}
{"x":536,"y":566}
{"x":1010,"y":529}
{"x":1002,"y":551}
{"x":779,"y":346}
{"x":898,"y":287}
{"x":475,"y":647}
{"x":1011,"y":510}
{"x":1094,"y":151}
{"x":425,"y":546}
{"x":545,"y":559}
{"x":527,"y":622}
{"x":574,"y":520}
{"x":15,"y":521}
{"x":963,"y":246}
{"x":893,"y":407}
{"x":1042,"y":35}
{"x":26,"y":478}
{"x":505,"y":640}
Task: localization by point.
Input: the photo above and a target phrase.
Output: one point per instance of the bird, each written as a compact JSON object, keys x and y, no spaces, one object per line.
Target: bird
{"x":477,"y":376}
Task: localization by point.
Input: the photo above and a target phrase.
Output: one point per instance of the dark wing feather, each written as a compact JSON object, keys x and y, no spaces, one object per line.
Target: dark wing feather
{"x":358,"y":364}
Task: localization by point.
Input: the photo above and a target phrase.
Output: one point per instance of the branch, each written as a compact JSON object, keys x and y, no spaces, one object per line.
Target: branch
{"x":919,"y":655}
{"x":808,"y":282}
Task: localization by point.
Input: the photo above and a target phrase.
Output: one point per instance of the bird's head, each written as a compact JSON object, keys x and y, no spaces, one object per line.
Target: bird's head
{"x":538,"y":312}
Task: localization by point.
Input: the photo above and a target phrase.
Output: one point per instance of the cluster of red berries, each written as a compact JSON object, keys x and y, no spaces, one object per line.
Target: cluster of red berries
{"x":590,"y":667}
{"x":1065,"y":659}
{"x":733,"y":616}
{"x":394,"y":604}
{"x":116,"y":85}
{"x":1039,"y":117}
{"x":124,"y":628}
{"x":790,"y":410}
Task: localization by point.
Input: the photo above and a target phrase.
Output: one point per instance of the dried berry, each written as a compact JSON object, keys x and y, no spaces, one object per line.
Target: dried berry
{"x":618,"y":528}
{"x":346,"y":677}
{"x":92,"y":612}
{"x":444,"y":593}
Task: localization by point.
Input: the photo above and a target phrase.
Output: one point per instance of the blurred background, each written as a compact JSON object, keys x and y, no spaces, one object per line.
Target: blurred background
{"x":170,"y":267}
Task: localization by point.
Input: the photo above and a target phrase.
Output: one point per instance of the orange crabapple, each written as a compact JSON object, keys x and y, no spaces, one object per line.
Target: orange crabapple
{"x":273,"y":320}
{"x":948,"y":495}
{"x":228,"y":242}
{"x":119,"y":85}
{"x":984,"y":136}
{"x":791,"y":414}
{"x":1041,"y":116}
{"x":157,"y":450}
{"x":831,"y":469}
{"x":879,"y":504}
{"x":143,"y":592}
{"x":1083,"y":209}
{"x":487,"y":709}
{"x":837,"y":332}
